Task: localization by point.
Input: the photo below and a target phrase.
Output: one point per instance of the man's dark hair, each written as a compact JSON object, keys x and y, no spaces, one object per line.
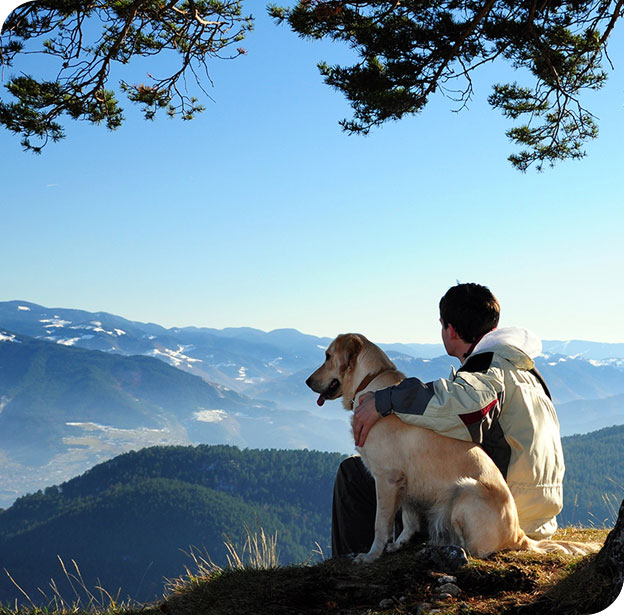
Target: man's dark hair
{"x":471,"y":309}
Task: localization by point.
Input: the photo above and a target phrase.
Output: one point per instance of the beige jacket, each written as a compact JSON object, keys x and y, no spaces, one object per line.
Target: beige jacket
{"x":496,"y":400}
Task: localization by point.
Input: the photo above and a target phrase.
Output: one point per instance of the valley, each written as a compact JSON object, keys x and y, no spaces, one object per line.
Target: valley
{"x":79,"y":388}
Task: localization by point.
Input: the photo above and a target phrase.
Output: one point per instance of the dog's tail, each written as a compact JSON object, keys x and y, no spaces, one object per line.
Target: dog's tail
{"x":558,"y":547}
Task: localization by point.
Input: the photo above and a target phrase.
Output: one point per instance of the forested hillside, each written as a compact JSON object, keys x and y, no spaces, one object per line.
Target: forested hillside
{"x":594,"y":478}
{"x":126,"y":522}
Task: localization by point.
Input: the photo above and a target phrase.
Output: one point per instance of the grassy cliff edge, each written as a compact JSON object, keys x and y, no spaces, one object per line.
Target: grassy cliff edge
{"x":399,"y":583}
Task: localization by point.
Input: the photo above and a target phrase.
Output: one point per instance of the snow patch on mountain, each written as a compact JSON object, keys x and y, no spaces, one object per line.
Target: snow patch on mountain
{"x":615,"y":362}
{"x":177,"y":357}
{"x":244,"y":378}
{"x":96,"y":326}
{"x":68,"y":341}
{"x":558,"y":360}
{"x":5,"y":337}
{"x":55,"y":322}
{"x":274,"y":364}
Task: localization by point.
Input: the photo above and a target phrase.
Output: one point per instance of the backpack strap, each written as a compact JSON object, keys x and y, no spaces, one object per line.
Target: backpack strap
{"x":535,"y":372}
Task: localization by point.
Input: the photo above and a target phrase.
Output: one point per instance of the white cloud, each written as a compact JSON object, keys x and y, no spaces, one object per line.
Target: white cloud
{"x":210,"y":415}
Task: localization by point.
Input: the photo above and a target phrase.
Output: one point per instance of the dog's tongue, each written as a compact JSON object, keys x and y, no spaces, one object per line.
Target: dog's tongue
{"x":321,"y":400}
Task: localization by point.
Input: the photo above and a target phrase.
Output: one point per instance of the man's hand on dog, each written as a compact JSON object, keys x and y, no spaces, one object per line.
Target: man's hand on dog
{"x":365,"y":417}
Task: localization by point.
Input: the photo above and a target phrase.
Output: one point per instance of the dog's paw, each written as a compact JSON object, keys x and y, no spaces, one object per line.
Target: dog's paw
{"x":365,"y":558}
{"x":393,"y":546}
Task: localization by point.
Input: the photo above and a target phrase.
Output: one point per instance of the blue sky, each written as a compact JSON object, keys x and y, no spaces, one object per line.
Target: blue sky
{"x":262,"y":212}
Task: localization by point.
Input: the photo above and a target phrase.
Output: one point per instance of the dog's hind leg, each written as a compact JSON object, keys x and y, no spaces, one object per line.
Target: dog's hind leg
{"x":389,"y":491}
{"x":480,"y":519}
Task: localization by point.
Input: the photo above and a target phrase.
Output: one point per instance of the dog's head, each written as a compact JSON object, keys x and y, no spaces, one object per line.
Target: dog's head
{"x":334,"y":377}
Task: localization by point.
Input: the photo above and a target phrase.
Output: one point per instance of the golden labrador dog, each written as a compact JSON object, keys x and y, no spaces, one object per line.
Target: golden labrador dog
{"x":453,"y":483}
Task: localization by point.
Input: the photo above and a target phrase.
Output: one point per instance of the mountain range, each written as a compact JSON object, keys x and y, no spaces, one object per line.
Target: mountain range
{"x":63,"y":409}
{"x":244,"y":358}
{"x":77,"y":388}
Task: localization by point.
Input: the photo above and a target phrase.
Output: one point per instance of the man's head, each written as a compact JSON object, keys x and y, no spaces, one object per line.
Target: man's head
{"x":471,"y":309}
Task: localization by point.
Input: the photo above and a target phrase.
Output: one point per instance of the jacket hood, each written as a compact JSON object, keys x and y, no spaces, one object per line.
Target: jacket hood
{"x":508,"y":341}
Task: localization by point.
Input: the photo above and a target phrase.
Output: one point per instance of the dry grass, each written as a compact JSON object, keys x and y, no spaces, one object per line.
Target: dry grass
{"x":400,"y":583}
{"x":258,"y":552}
{"x":83,"y":601}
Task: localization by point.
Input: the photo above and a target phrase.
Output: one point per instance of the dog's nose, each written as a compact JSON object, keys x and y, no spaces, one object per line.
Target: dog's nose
{"x":309,"y":382}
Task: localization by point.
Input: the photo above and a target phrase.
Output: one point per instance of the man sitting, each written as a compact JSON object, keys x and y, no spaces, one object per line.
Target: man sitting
{"x":496,"y":399}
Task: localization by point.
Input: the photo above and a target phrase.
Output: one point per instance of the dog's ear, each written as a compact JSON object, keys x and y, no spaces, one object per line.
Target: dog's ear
{"x":352,"y":349}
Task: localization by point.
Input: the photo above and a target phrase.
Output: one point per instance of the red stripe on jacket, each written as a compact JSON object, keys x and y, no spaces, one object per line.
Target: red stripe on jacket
{"x":475,"y":416}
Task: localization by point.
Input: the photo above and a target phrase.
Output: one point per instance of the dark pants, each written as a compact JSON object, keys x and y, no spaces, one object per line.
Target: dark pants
{"x":353,"y":508}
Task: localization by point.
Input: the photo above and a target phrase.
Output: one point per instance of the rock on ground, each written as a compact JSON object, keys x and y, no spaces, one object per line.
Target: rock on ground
{"x":610,"y":560}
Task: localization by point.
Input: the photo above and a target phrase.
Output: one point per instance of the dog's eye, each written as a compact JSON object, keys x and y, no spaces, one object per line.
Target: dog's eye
{"x":327,"y":356}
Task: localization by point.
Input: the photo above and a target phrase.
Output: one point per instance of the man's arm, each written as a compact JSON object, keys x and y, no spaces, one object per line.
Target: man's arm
{"x":460,"y":408}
